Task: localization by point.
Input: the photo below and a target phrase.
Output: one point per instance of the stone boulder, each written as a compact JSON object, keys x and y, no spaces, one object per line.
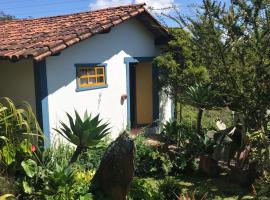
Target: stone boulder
{"x":116,"y":169}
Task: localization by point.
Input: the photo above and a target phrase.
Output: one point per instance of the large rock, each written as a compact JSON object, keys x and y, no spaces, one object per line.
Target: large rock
{"x":116,"y":169}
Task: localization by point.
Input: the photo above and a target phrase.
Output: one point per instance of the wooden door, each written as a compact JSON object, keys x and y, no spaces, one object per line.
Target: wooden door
{"x":144,"y":93}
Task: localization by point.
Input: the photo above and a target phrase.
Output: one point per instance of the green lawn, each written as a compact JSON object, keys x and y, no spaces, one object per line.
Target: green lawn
{"x":189,"y":114}
{"x":216,"y":188}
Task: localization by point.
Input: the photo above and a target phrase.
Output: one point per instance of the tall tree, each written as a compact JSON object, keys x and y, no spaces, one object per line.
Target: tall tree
{"x":177,"y":67}
{"x":232,"y":42}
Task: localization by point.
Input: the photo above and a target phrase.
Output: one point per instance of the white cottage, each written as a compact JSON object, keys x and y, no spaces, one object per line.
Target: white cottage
{"x":100,"y":61}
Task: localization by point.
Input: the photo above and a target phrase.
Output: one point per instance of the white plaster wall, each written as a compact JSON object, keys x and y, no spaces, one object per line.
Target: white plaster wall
{"x":17,"y":82}
{"x":165,"y":107}
{"x":130,"y":39}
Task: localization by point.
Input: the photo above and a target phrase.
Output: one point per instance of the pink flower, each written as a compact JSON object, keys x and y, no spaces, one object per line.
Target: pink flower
{"x":33,"y":148}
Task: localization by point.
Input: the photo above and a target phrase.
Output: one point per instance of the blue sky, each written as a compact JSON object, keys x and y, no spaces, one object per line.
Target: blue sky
{"x":40,"y":8}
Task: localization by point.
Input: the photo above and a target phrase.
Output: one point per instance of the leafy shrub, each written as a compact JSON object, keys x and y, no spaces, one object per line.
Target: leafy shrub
{"x":154,"y":161}
{"x":260,"y":155}
{"x":141,"y":189}
{"x":170,"y":131}
{"x":259,"y":150}
{"x":169,"y":188}
{"x":187,"y":146}
{"x":57,"y":154}
{"x":183,"y":163}
{"x":19,"y":131}
{"x":53,"y":178}
{"x":84,"y":176}
{"x":60,"y":182}
{"x":149,"y":161}
{"x":192,"y":196}
{"x":90,"y":159}
{"x":8,"y":186}
{"x":262,"y":187}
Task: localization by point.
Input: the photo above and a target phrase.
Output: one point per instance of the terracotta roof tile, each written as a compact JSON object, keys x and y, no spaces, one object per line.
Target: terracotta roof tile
{"x":42,"y":37}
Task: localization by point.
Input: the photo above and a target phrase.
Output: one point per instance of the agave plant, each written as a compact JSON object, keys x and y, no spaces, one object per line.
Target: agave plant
{"x":84,"y":133}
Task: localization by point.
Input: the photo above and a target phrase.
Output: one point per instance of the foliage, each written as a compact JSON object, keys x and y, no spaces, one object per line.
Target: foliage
{"x":187,"y":146}
{"x":30,"y":167}
{"x":141,"y":189}
{"x":199,"y":95}
{"x":189,"y":117}
{"x":90,"y":159}
{"x":260,"y":156}
{"x":19,"y":132}
{"x":170,"y":132}
{"x":259,"y":151}
{"x":57,"y":154}
{"x":202,"y":97}
{"x":60,"y":182}
{"x":162,"y":161}
{"x":177,"y":67}
{"x":54,"y":178}
{"x":262,"y":186}
{"x":84,"y":176}
{"x":149,"y":161}
{"x":169,"y":188}
{"x":83,"y":133}
{"x":231,"y":42}
{"x":7,"y":197}
{"x":8,"y":186}
{"x":191,"y":196}
{"x":197,"y":185}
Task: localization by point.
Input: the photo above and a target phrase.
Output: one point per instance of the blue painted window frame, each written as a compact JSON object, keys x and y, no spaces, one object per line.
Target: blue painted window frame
{"x":78,"y":65}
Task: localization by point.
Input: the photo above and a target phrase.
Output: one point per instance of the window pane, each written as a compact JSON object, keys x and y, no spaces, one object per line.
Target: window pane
{"x":100,"y":79}
{"x":84,"y":81}
{"x":92,"y":80}
{"x":91,"y":71}
{"x":100,"y":71}
{"x":83,"y":72}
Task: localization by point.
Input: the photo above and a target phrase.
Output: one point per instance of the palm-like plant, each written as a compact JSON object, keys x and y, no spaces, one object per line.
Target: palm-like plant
{"x":201,"y":97}
{"x":84,"y":133}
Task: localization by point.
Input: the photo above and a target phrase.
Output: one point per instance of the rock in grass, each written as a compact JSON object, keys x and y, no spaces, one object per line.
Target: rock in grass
{"x":116,"y":169}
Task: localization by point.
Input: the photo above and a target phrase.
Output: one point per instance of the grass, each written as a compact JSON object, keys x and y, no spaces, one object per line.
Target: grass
{"x":214,"y":188}
{"x":189,"y":115}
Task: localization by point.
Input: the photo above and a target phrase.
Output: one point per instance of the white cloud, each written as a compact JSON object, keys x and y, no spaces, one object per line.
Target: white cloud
{"x":158,"y":4}
{"x":98,"y":4}
{"x":155,"y":4}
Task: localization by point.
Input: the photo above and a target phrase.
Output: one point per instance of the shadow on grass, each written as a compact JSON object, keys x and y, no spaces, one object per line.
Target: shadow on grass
{"x":214,"y":188}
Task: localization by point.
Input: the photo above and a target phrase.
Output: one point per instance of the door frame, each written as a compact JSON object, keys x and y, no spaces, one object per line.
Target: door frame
{"x":129,"y":61}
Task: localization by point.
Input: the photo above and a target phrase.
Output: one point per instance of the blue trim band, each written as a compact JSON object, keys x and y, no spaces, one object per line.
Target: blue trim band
{"x":137,"y":59}
{"x":155,"y":93}
{"x":128,"y":93}
{"x":42,"y":105}
{"x":80,"y":89}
